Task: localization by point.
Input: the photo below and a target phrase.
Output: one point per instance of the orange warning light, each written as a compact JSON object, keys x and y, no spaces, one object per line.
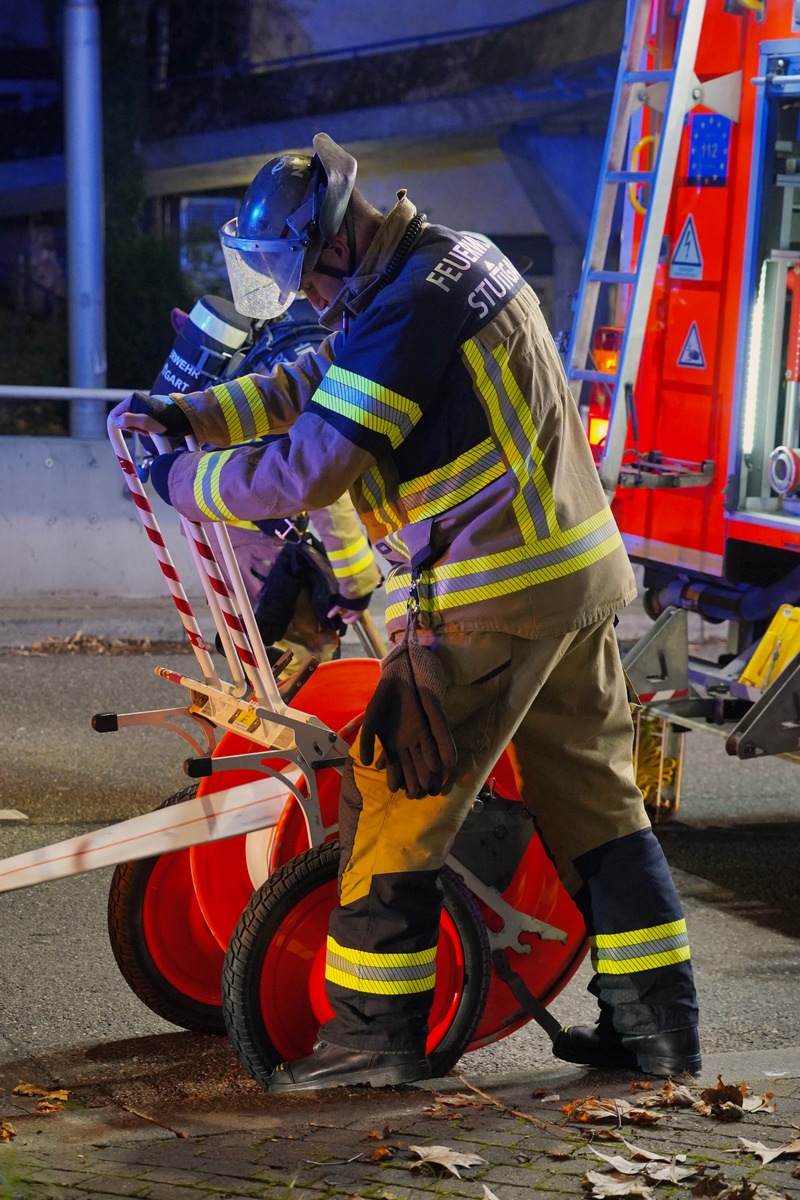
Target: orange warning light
{"x":605,"y":357}
{"x":598,"y":428}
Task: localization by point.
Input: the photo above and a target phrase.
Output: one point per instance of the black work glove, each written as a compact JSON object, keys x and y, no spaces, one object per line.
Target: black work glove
{"x":175,"y":423}
{"x":406,"y":714}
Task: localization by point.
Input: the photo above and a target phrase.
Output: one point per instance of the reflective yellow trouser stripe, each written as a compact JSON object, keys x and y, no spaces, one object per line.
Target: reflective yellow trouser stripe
{"x":380,"y":974}
{"x":640,"y":949}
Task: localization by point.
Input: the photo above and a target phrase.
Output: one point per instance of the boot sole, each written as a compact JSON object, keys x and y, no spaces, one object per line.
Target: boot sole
{"x":375,"y":1077}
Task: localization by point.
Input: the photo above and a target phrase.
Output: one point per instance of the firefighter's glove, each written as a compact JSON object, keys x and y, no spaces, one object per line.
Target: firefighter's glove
{"x":406,"y":714}
{"x":148,"y":414}
{"x":160,"y":467}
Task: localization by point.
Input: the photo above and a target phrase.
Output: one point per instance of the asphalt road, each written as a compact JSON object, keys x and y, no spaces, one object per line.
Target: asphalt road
{"x":732,"y":846}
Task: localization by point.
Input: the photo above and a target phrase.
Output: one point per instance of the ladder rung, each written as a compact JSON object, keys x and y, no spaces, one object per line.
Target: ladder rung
{"x":612,"y":276}
{"x":594,"y":377}
{"x":630,"y":177}
{"x":661,"y":76}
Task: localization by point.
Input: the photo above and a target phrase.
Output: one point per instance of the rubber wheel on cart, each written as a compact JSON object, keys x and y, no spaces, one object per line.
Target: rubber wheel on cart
{"x":163,"y":946}
{"x":273,"y":981}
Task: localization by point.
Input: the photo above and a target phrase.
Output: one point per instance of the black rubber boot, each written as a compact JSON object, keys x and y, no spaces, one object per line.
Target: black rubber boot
{"x":337,"y":1066}
{"x":670,"y":1053}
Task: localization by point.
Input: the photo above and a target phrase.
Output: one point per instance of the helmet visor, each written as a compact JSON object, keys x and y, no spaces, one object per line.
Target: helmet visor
{"x":264,"y":273}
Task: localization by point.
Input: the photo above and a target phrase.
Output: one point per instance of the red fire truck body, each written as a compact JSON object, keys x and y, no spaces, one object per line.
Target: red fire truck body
{"x":685,"y":355}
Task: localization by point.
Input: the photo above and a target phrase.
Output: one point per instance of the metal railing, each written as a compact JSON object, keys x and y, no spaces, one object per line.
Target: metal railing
{"x":87,"y":415}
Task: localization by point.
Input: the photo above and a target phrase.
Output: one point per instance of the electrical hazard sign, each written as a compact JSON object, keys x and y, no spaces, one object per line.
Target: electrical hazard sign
{"x":692,"y":353}
{"x":687,"y":259}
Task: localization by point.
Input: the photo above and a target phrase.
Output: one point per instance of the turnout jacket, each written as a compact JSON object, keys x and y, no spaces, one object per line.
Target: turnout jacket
{"x":444,"y":408}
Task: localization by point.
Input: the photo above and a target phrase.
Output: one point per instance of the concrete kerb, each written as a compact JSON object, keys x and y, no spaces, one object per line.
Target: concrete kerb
{"x":357,"y":1142}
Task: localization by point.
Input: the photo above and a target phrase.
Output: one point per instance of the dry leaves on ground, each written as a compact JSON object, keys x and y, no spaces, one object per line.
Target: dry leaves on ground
{"x":89,"y":643}
{"x":48,"y":1100}
{"x":717,"y":1187}
{"x":766,"y":1153}
{"x":587,"y":1109}
{"x":7,"y":1131}
{"x":448,"y":1107}
{"x":655,"y":1168}
{"x":600,"y":1184}
{"x":445,"y":1156}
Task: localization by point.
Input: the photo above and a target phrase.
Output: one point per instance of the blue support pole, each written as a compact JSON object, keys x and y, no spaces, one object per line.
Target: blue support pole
{"x":85,"y":213}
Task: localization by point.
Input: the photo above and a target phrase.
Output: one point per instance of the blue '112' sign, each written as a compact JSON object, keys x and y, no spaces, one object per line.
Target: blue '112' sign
{"x":709,"y":149}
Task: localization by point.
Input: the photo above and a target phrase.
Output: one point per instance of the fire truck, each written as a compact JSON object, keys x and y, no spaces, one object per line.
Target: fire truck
{"x":684,"y":359}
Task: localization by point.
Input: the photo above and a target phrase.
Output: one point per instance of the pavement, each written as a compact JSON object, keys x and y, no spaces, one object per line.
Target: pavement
{"x":175,"y":1115}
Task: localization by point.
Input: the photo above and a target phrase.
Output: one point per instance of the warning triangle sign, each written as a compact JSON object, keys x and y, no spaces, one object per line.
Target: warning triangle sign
{"x":687,"y":259}
{"x":692,"y":353}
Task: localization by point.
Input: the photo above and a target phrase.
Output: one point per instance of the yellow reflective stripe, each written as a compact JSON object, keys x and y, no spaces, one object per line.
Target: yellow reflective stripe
{"x":439,"y":490}
{"x":358,"y":556}
{"x":206,"y":486}
{"x":369,"y":958}
{"x":432,"y":508}
{"x":501,"y":393}
{"x":512,"y":572}
{"x":197,"y":487}
{"x":640,"y":949}
{"x":380,"y":974}
{"x":647,"y":962}
{"x":242,"y":408}
{"x":369,"y":404}
{"x":380,"y":987}
{"x":229,"y":412}
{"x":374,"y":491}
{"x":396,"y":543}
{"x":634,"y":937}
{"x":538,"y":479}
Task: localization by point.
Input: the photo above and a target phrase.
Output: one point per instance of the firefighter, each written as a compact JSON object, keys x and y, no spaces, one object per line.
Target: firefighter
{"x":440,"y":401}
{"x":307,"y":576}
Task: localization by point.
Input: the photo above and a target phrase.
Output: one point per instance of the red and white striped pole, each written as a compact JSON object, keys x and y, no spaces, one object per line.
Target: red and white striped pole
{"x":168,"y":569}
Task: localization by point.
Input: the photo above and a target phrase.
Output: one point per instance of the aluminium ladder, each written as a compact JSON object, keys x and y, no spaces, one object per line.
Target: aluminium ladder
{"x":672,"y":92}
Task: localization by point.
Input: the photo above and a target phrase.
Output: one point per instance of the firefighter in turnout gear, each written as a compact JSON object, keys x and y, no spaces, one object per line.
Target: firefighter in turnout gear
{"x":439,"y":400}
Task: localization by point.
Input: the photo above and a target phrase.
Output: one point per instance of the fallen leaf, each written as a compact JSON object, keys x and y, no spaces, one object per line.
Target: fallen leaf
{"x":29,"y":1089}
{"x":710,"y":1185}
{"x":44,"y":1106}
{"x":677,"y":1095}
{"x":558,"y":1152}
{"x":766,"y":1153}
{"x":375,"y":1136}
{"x":458,"y":1100}
{"x":727,"y":1111}
{"x":650,"y":1155}
{"x":623,"y":1165}
{"x":641,"y":1085}
{"x":32,"y":1089}
{"x":608,"y":1109}
{"x":7,"y":1131}
{"x":488,"y":1194}
{"x":756,"y":1103}
{"x":606,"y":1185}
{"x":381,"y":1153}
{"x":724,"y":1092}
{"x":671,"y":1172}
{"x":666,"y":1169}
{"x":549,"y":1099}
{"x":445,"y":1156}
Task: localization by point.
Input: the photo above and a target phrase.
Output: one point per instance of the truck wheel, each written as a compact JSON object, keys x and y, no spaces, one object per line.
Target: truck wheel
{"x":163,"y":947}
{"x":273,"y":982}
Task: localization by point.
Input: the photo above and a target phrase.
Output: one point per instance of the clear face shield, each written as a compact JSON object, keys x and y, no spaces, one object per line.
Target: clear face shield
{"x":264,"y":273}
